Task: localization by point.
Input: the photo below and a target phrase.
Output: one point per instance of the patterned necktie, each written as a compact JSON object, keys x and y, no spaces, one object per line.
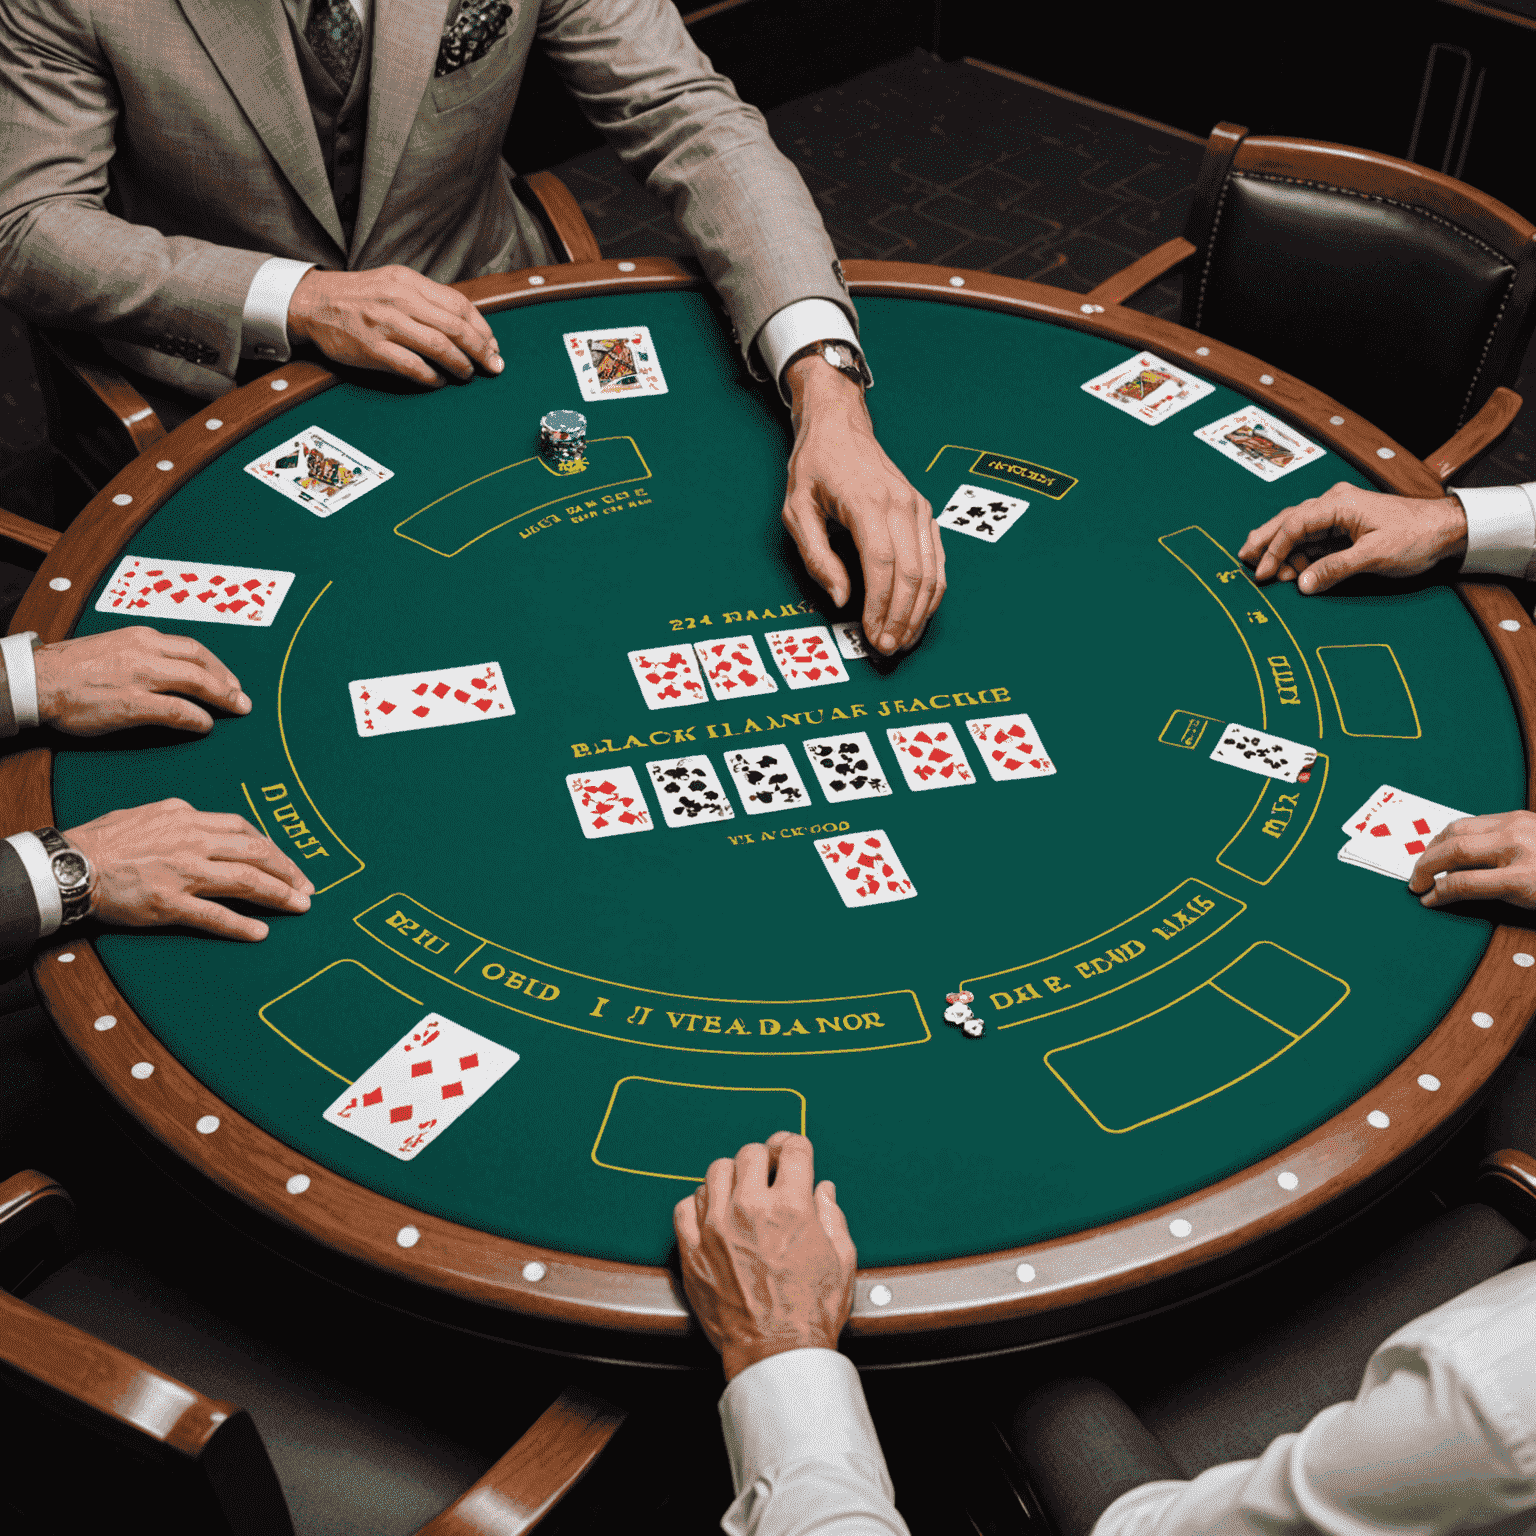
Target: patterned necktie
{"x":336,"y":35}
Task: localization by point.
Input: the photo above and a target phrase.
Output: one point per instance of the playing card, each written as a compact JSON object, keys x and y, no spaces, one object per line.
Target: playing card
{"x":865,"y":869}
{"x":1357,"y":823}
{"x":930,"y":756}
{"x":609,"y":804}
{"x":805,"y":657}
{"x":1011,"y":747}
{"x":985,"y":515}
{"x":615,"y":362}
{"x":1273,"y":756}
{"x":1258,"y":442}
{"x":319,"y":471}
{"x":767,"y":780}
{"x":416,"y":701}
{"x":148,"y":588}
{"x":1397,"y":833}
{"x":1148,"y":388}
{"x":846,"y":767}
{"x":851,"y":642}
{"x":668,"y":677}
{"x":420,"y":1086}
{"x":733,"y":667}
{"x":689,"y":791}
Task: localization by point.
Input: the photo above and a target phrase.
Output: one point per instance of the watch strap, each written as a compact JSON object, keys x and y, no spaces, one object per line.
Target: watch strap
{"x":74,"y":894}
{"x":842,"y":355}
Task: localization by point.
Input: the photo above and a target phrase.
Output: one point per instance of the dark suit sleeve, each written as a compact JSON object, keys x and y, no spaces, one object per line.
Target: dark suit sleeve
{"x":20,"y":921}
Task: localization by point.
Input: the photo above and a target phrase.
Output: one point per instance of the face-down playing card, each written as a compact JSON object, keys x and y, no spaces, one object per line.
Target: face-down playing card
{"x":984,"y":515}
{"x":319,"y":471}
{"x":806,"y":657}
{"x":767,"y":780}
{"x":1148,"y":388}
{"x":420,"y":1086}
{"x":864,"y":869}
{"x":1261,"y":444}
{"x":668,"y":676}
{"x":1240,"y":746}
{"x":846,"y":767}
{"x":609,"y":804}
{"x":733,"y":667}
{"x":930,"y":756}
{"x":614,"y":363}
{"x":147,"y":588}
{"x":416,"y":701}
{"x":1010,"y":746}
{"x":689,"y":791}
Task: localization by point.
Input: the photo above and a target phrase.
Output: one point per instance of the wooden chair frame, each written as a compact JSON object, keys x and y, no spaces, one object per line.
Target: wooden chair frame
{"x":1230,"y":148}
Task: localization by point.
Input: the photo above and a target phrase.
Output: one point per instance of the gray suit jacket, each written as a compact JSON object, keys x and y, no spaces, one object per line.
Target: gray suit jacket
{"x":154,"y":153}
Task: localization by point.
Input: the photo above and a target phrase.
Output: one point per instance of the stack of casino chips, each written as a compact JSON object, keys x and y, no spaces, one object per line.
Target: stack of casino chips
{"x":563,"y":441}
{"x":959,"y":1014}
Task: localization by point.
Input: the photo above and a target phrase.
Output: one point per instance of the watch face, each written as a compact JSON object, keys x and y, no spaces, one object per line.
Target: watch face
{"x":70,"y":869}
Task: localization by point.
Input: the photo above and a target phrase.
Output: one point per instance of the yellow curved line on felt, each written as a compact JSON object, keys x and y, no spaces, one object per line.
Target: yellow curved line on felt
{"x":1252,"y":659}
{"x":1370,"y":645}
{"x":586,"y":490}
{"x":685,"y":1178}
{"x":283,"y":737}
{"x":261,"y":1013}
{"x":1122,"y":1130}
{"x":1264,"y":794}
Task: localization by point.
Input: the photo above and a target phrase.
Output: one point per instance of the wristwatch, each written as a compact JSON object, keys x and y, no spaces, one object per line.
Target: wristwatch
{"x":838,"y":354}
{"x":72,"y":870}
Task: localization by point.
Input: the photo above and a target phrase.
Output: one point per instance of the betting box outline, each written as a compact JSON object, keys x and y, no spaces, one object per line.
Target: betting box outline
{"x":272,"y":1002}
{"x":1371,"y":645}
{"x":1222,"y":1088}
{"x":983,"y":453}
{"x":570,"y":481}
{"x":686,"y":1178}
{"x":1264,"y":794}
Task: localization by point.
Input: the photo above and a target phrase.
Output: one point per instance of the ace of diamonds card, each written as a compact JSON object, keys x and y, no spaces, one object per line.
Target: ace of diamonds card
{"x":319,"y":471}
{"x":1148,"y":388}
{"x":615,"y":363}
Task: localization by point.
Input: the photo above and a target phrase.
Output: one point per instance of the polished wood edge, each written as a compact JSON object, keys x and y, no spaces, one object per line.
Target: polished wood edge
{"x":555,"y":1453}
{"x":1507,"y":1181}
{"x":1492,"y":421}
{"x":565,"y":216}
{"x":1142,"y":272}
{"x":112,"y":389}
{"x":1344,"y":1154}
{"x":705,"y":12}
{"x":1082,"y":101}
{"x":29,"y":1200}
{"x":1494,"y":13}
{"x":24,"y":531}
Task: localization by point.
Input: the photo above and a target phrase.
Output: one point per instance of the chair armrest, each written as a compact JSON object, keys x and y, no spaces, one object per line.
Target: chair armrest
{"x":1479,"y":434}
{"x":530,"y":1480}
{"x":37,"y":1227}
{"x":1507,"y":1181}
{"x":92,"y":367}
{"x":564,"y":216}
{"x":24,"y":531}
{"x":1142,"y":272}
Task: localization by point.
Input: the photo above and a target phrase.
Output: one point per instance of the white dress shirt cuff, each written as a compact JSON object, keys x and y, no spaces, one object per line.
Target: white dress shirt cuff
{"x":34,"y":859}
{"x":798,"y":325}
{"x":264,"y":321}
{"x":1501,"y":529}
{"x":21,"y":677}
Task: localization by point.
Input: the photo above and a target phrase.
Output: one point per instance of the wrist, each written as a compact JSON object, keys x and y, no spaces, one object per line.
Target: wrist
{"x":1455,"y":537}
{"x":817,"y":389}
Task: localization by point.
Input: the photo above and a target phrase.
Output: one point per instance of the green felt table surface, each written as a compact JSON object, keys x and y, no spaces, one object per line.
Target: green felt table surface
{"x":1177,"y":974}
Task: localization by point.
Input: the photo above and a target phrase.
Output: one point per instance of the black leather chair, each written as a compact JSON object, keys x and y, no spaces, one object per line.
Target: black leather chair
{"x":1403,"y":293}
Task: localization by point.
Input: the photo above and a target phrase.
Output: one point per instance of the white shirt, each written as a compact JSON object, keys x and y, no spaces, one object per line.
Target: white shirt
{"x":1501,"y":530}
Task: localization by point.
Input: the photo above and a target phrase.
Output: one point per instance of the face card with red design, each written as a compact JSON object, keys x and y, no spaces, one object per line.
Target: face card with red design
{"x":668,"y":676}
{"x":690,"y":791}
{"x":146,"y":588}
{"x":851,"y":640}
{"x":733,"y":667}
{"x":930,"y":756}
{"x":1011,"y":747}
{"x":609,"y":804}
{"x":767,"y":780}
{"x":806,"y":657}
{"x":319,"y":471}
{"x":420,"y":1086}
{"x":1397,"y":832}
{"x":1261,"y":444}
{"x":416,"y":701}
{"x":1148,"y":388}
{"x":865,"y":869}
{"x":615,"y":362}
{"x":984,"y":515}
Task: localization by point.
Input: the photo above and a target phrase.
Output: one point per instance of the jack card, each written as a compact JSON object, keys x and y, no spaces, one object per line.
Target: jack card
{"x":146,"y":588}
{"x":1148,"y":388}
{"x":420,"y":1086}
{"x":846,"y":767}
{"x":417,"y":701}
{"x":614,"y":363}
{"x":1273,"y":756}
{"x":865,"y":869}
{"x":609,"y":804}
{"x":689,"y":791}
{"x":733,"y":667}
{"x":1011,"y":747}
{"x":319,"y":471}
{"x":1263,"y":446}
{"x":668,"y":677}
{"x":930,"y":756}
{"x":767,"y":780}
{"x":984,"y":515}
{"x":806,"y":657}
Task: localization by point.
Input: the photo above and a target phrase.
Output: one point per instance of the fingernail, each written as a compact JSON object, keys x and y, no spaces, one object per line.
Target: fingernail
{"x":300,"y":901}
{"x":309,"y":887}
{"x":264,"y":931}
{"x":243,"y":703}
{"x":496,"y":363}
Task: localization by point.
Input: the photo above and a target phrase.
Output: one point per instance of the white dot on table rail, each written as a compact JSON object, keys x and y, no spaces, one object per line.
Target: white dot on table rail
{"x":408,"y":1237}
{"x":66,"y":957}
{"x":534,"y":1271}
{"x":60,"y":584}
{"x":1483,"y":1020}
{"x":1180,"y":1227}
{"x":1202,"y":351}
{"x":537,"y":282}
{"x":626,"y":266}
{"x":1428,"y":1082}
{"x":279,"y":384}
{"x":1337,"y":421}
{"x":164,"y":464}
{"x":1266,"y":378}
{"x":297,"y":1184}
{"x":1287,"y":1180}
{"x":1510,"y":624}
{"x":106,"y":1021}
{"x":122,"y":499}
{"x":1379,"y":1118}
{"x":142,"y":1069}
{"x":1024,"y":1273}
{"x":880,"y":1295}
{"x":1385,"y":453}
{"x":1525,"y":960}
{"x":213,"y":423}
{"x":957,"y":282}
{"x":207,"y":1125}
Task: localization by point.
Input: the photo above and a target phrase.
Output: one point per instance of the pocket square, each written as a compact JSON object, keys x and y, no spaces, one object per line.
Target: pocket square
{"x":470,"y":34}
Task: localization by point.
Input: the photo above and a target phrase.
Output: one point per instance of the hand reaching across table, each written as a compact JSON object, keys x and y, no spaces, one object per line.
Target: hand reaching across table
{"x":1480,"y":858}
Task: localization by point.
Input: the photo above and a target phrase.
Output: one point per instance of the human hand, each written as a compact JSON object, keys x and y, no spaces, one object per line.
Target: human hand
{"x":768,"y":1263}
{"x":1479,"y":858}
{"x":392,"y":318}
{"x":839,"y":470}
{"x":154,"y":865}
{"x":1392,"y":535}
{"x":125,"y":677}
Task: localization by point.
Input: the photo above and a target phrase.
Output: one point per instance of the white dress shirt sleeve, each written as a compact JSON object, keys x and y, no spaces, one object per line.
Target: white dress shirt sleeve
{"x":798,"y":325}
{"x":264,"y":321}
{"x":1501,"y":529}
{"x":20,"y":677}
{"x":803,"y":1450}
{"x":34,"y":859}
{"x":1441,"y":1438}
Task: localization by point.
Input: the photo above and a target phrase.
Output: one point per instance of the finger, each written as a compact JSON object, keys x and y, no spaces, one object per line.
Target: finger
{"x":906,"y":584}
{"x":1308,"y":523}
{"x":1329,"y":570}
{"x":164,"y":709}
{"x":922,"y":604}
{"x":751,"y":1168}
{"x":719,"y":1181}
{"x":220,"y":686}
{"x":808,"y":528}
{"x":685,"y":1221}
{"x":389,"y":357}
{"x":1258,"y":539}
{"x":423,"y":336}
{"x":834,"y":1223}
{"x":878,"y":562}
{"x":1463,"y":825}
{"x":262,"y":853}
{"x":1471,"y":850}
{"x":795,"y":1175}
{"x":247,"y":884}
{"x":1478,"y":885}
{"x":941,"y":577}
{"x":190,"y":912}
{"x":465,"y":326}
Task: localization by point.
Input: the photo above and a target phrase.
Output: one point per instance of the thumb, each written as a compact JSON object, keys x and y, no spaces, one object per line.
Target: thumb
{"x":808,"y":528}
{"x":830,"y":1214}
{"x":1330,"y":570}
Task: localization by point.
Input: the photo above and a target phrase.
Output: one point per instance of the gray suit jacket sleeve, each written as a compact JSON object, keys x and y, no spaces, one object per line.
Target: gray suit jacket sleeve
{"x":685,"y":132}
{"x":58,"y":112}
{"x":20,"y":922}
